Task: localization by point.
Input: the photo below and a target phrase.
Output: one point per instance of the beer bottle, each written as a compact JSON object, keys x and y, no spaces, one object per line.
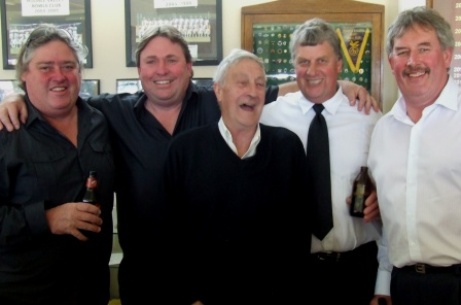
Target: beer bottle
{"x":361,"y":189}
{"x":91,"y":185}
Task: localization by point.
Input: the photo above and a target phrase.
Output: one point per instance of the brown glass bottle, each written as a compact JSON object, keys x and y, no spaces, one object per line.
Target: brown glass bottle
{"x":91,"y":185}
{"x":361,"y":189}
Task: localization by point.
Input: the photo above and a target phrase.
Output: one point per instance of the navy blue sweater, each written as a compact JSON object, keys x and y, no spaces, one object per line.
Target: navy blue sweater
{"x":242,"y":225}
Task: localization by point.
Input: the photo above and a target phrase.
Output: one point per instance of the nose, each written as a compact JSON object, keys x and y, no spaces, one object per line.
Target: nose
{"x":310,"y":68}
{"x":252,"y":89}
{"x":161,"y":67}
{"x":59,"y":73}
{"x":413,"y":59}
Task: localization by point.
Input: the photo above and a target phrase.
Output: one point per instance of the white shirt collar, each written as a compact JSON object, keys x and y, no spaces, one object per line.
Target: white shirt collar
{"x":330,"y":105}
{"x":225,"y":133}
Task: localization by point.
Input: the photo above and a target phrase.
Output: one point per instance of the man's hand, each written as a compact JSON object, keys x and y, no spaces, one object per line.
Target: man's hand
{"x":358,"y":93}
{"x":381,"y":300}
{"x":371,"y":211}
{"x":71,"y":217}
{"x":13,"y":112}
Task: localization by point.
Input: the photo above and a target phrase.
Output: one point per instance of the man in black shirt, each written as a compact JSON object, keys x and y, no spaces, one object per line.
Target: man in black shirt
{"x":142,"y":126}
{"x":54,"y":248}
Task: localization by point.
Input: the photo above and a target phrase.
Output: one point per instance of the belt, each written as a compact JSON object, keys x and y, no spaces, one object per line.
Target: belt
{"x":336,"y":257}
{"x":331,"y":256}
{"x":428,"y":269}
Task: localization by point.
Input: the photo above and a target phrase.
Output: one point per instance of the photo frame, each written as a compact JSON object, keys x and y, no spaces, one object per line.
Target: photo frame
{"x":200,"y":22}
{"x":19,"y":18}
{"x":8,"y":86}
{"x":127,"y":85}
{"x":203,"y":81}
{"x":89,"y":87}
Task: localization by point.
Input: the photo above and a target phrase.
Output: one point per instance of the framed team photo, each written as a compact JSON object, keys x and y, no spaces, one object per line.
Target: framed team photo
{"x":200,"y":22}
{"x":19,"y":18}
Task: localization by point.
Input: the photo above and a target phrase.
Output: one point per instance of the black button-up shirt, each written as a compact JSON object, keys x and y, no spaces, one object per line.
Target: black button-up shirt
{"x":41,"y":169}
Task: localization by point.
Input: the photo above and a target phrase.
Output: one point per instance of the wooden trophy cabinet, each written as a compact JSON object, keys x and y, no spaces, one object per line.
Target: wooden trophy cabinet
{"x":267,"y":28}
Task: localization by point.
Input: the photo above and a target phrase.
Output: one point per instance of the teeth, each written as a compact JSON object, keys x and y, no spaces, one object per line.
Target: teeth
{"x":162,"y":82}
{"x":314,"y":81}
{"x":58,"y":89}
{"x":416,"y":74}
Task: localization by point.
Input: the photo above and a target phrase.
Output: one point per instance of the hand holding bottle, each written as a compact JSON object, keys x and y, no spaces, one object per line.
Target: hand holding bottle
{"x":74,"y":218}
{"x":91,"y":186}
{"x":361,"y":189}
{"x":363,"y":201}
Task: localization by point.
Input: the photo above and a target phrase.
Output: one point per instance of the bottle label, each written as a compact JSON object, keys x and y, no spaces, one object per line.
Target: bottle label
{"x":359,"y":199}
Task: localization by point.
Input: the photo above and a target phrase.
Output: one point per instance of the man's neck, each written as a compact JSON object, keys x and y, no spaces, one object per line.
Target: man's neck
{"x":166,"y":115}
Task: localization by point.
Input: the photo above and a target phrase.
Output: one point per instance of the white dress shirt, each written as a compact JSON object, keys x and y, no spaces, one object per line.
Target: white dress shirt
{"x":349,"y":132}
{"x":417,"y":169}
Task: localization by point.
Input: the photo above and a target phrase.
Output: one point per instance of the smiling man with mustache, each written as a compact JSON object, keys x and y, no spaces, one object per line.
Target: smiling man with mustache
{"x":415,"y":161}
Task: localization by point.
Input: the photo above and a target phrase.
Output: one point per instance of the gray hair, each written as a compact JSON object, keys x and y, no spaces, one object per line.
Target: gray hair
{"x":234,"y":57}
{"x":41,"y":35}
{"x":167,"y":31}
{"x":424,"y":17}
{"x":313,"y":32}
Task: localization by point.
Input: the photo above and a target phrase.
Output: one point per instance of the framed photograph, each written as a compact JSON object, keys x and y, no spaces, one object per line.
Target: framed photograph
{"x":203,"y":81}
{"x":20,"y":17}
{"x":8,"y":86}
{"x":89,"y":87}
{"x":128,"y":85}
{"x":200,"y":22}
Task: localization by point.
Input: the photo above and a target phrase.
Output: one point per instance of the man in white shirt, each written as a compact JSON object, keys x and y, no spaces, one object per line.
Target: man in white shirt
{"x":349,"y":249}
{"x":415,"y":160}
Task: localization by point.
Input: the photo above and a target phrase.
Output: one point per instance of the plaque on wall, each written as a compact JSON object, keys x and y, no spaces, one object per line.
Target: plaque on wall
{"x":451,"y":11}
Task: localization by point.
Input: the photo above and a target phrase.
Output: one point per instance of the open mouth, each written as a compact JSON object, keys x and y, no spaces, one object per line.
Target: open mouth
{"x":58,"y":89}
{"x":314,"y":82}
{"x":416,"y":72}
{"x":247,"y":107}
{"x":162,"y":82}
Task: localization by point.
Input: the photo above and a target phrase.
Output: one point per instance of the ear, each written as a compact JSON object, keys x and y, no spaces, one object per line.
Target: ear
{"x":218,"y":91}
{"x":23,"y":76}
{"x":339,"y":66}
{"x":189,"y":69}
{"x":447,"y":56}
{"x":391,"y":62}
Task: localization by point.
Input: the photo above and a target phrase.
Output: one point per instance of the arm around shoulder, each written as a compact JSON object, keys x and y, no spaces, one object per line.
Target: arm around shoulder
{"x":13,"y":112}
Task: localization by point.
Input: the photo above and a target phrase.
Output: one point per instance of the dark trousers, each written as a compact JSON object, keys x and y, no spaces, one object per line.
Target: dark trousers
{"x":345,"y":278}
{"x":435,"y":286}
{"x":148,"y":280}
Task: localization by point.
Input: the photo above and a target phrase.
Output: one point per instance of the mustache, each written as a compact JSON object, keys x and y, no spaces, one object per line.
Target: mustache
{"x":416,"y":70}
